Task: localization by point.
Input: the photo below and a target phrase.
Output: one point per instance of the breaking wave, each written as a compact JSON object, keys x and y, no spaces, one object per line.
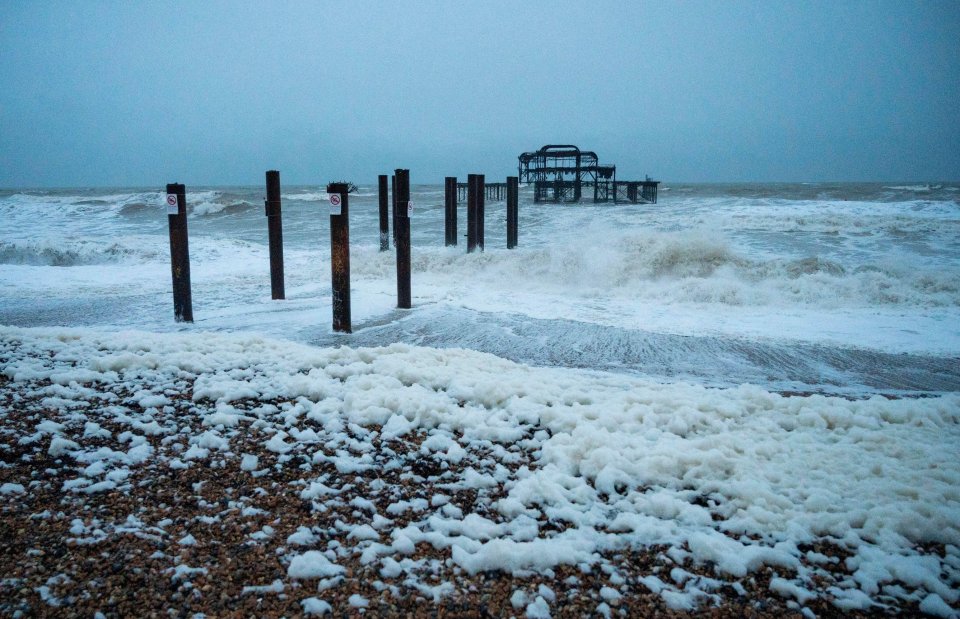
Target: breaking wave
{"x":312,"y":196}
{"x":680,"y":267}
{"x":76,"y":253}
{"x":918,"y":188}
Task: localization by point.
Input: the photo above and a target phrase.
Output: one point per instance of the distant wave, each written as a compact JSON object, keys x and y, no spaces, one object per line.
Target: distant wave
{"x":315,"y":196}
{"x":221,"y":206}
{"x":202,"y":202}
{"x":930,"y":218}
{"x":76,"y":253}
{"x":123,"y":203}
{"x":917,"y":188}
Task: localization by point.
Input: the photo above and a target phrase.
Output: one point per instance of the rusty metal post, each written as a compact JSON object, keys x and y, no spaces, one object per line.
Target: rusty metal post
{"x":401,"y":222}
{"x":393,"y":205}
{"x":384,"y":213}
{"x":275,"y":234}
{"x":481,"y":207}
{"x":179,"y":252}
{"x":450,"y":210}
{"x":471,"y":213}
{"x":340,"y":255}
{"x":512,"y":210}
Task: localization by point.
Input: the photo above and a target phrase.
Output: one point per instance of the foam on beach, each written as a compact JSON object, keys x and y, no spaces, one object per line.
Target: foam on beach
{"x":568,"y":466}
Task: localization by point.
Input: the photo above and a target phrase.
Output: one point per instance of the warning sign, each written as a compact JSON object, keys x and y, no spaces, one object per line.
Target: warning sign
{"x":335,"y":208}
{"x":172,"y":207}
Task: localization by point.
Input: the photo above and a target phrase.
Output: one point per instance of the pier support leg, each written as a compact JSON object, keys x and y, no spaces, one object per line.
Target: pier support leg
{"x":275,"y":234}
{"x":401,"y":223}
{"x":179,"y":252}
{"x":513,"y":211}
{"x":393,"y":206}
{"x":481,"y":207}
{"x":471,"y":213}
{"x":384,"y":212}
{"x":340,"y":256}
{"x":450,"y":211}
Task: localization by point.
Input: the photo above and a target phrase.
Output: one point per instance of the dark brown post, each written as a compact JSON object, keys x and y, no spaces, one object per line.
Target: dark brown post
{"x":512,"y":211}
{"x":340,"y":255}
{"x":481,"y":207}
{"x":471,"y":213}
{"x":275,"y":234}
{"x":384,"y":213}
{"x":401,"y":223}
{"x":450,"y":210}
{"x":393,"y":205}
{"x":179,"y":252}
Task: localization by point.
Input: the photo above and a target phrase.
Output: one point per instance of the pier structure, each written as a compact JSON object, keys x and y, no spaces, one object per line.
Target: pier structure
{"x":560,"y":172}
{"x":491,"y":191}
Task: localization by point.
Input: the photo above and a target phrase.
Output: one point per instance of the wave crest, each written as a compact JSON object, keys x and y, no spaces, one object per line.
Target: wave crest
{"x":678,"y":267}
{"x":76,"y":253}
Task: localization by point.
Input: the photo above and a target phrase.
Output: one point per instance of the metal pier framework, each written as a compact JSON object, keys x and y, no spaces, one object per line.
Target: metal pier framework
{"x":559,"y":173}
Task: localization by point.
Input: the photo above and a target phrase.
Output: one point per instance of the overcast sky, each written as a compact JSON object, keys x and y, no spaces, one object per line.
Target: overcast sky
{"x":132,"y":93}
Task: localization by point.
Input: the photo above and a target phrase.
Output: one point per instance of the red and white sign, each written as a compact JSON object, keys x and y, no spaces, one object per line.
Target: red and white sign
{"x":172,"y":207}
{"x":335,"y":204}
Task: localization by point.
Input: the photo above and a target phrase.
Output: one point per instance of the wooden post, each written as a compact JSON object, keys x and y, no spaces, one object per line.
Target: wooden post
{"x":512,"y":210}
{"x":340,"y":255}
{"x":471,"y":213}
{"x":481,"y":207}
{"x":450,"y":210}
{"x":401,"y":222}
{"x":384,"y":213}
{"x":275,"y":234}
{"x":179,"y":252}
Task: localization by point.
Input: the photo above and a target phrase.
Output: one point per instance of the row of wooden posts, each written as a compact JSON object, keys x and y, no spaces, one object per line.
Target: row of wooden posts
{"x":340,"y":236}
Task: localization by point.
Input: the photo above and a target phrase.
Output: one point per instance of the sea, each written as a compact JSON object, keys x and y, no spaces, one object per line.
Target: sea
{"x":839,"y":289}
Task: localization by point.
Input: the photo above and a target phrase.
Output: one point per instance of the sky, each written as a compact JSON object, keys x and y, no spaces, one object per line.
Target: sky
{"x":215,"y":93}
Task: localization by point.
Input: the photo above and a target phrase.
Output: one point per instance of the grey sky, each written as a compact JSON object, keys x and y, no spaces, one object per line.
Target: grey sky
{"x":129,"y":93}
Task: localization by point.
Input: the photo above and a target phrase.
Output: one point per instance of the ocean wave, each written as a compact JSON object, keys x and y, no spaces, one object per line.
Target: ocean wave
{"x":136,"y":208}
{"x":314,"y":196}
{"x":85,"y":205}
{"x":77,"y":253}
{"x":221,"y":206}
{"x":917,"y":188}
{"x":936,"y":218}
{"x":680,"y":267}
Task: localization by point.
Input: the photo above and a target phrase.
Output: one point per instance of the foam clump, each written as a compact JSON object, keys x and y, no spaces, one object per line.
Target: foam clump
{"x":313,"y":564}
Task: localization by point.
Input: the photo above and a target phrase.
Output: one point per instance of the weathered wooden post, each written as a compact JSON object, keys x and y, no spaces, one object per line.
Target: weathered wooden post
{"x":179,"y":252}
{"x":450,"y":210}
{"x":402,"y":228}
{"x":275,"y":234}
{"x":512,"y":210}
{"x":340,"y":255}
{"x":471,"y":213}
{"x":481,"y":207}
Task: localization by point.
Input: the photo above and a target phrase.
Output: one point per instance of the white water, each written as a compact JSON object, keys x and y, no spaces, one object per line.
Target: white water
{"x":791,"y":272}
